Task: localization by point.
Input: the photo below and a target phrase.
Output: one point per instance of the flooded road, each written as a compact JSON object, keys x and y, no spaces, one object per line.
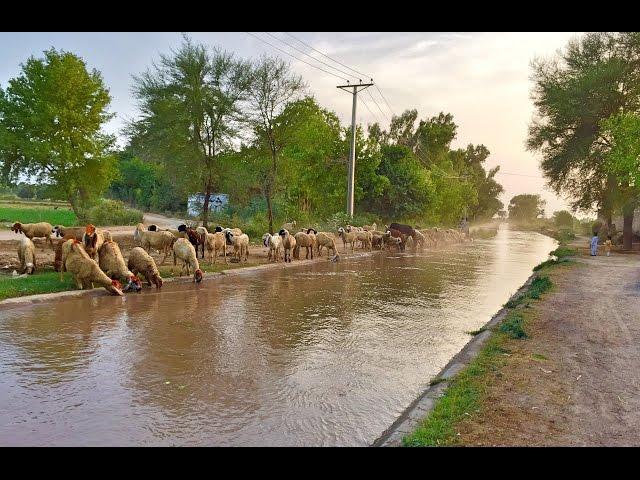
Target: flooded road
{"x":323,"y":354}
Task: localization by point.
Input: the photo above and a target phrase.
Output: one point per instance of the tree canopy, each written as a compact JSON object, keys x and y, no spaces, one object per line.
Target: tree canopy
{"x":51,"y":119}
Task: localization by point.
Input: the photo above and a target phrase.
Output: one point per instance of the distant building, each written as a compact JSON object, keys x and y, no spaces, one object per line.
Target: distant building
{"x":217,"y":202}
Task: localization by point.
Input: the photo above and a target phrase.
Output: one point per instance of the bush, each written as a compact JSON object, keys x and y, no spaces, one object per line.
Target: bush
{"x":539,"y":286}
{"x":113,"y":212}
{"x":563,"y":252}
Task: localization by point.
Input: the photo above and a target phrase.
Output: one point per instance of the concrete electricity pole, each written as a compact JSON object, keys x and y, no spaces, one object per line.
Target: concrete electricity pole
{"x":352,"y":150}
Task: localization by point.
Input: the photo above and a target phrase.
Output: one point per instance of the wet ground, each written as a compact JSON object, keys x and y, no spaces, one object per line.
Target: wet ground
{"x":322,"y":354}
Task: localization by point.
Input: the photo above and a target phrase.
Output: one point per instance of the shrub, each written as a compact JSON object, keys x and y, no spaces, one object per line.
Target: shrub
{"x":539,"y":286}
{"x":113,"y":212}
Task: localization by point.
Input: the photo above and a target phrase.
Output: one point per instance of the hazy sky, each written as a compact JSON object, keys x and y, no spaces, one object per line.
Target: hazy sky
{"x":483,"y":79}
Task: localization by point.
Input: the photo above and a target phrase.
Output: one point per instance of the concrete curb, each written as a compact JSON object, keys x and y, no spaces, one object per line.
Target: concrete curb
{"x":409,"y":420}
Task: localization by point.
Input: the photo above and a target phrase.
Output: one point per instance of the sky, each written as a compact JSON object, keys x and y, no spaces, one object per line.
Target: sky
{"x":482,"y":79}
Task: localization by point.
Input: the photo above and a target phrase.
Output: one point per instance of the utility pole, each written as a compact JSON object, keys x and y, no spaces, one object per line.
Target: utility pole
{"x":352,"y":150}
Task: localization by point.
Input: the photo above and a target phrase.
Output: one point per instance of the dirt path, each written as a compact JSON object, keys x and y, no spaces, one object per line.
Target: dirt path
{"x":575,"y":380}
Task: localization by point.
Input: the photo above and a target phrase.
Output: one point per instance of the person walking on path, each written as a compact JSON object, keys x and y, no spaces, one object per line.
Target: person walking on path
{"x":607,"y":245}
{"x":594,"y":245}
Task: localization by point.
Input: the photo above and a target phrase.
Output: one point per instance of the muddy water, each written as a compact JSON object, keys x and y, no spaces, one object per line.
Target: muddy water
{"x":328,"y":354}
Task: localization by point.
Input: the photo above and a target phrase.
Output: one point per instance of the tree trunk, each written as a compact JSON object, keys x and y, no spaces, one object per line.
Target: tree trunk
{"x":627,"y":230}
{"x":205,"y":207}
{"x":269,"y":210}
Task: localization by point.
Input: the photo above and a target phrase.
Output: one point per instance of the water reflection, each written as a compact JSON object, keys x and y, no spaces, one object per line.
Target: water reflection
{"x":327,"y":354}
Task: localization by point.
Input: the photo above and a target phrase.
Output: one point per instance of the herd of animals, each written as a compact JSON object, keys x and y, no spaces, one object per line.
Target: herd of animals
{"x":95,"y":259}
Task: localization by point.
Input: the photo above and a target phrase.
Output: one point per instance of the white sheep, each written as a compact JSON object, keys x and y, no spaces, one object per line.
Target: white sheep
{"x":183,"y":250}
{"x":240,"y":244}
{"x":347,"y":238}
{"x":216,"y":242}
{"x":274,"y":244}
{"x":161,"y":241}
{"x":288,"y":243}
{"x":27,"y":256}
{"x":289,"y":226}
{"x":34,"y":230}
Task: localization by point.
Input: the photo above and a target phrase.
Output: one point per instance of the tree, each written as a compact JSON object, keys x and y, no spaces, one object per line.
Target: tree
{"x":190,"y":114}
{"x":526,"y":207}
{"x":51,"y":119}
{"x":594,"y":78}
{"x":563,"y":219}
{"x":274,"y":87}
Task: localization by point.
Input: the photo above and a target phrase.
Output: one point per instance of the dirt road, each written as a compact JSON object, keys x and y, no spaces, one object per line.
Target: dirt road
{"x":576,"y":380}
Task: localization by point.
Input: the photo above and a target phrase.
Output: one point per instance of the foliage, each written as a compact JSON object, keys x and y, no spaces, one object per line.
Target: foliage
{"x":50,"y":128}
{"x":623,"y":158}
{"x":190,"y":115}
{"x":563,"y":218}
{"x":526,"y":208}
{"x":113,"y":212}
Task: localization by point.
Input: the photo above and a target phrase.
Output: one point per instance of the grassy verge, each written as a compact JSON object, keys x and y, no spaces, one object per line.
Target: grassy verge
{"x":24,"y":214}
{"x":46,"y":281}
{"x":464,"y":396}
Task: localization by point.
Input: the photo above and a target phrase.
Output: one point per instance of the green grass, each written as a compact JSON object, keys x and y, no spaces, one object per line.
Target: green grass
{"x":563,"y":251}
{"x":513,"y":326}
{"x":538,"y":356}
{"x":46,"y":281}
{"x":61,"y":216}
{"x":465,"y":394}
{"x":461,"y":399}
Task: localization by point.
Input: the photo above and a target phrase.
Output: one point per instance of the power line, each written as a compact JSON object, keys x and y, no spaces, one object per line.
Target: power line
{"x":314,"y":58}
{"x":332,"y":59}
{"x":371,"y":112}
{"x":374,"y":101}
{"x":384,"y":98}
{"x":299,"y":59}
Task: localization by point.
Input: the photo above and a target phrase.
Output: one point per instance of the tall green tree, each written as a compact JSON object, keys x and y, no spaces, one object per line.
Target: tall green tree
{"x":593,"y":78}
{"x":190,"y":104}
{"x":51,"y":119}
{"x":274,"y":87}
{"x":526,"y":208}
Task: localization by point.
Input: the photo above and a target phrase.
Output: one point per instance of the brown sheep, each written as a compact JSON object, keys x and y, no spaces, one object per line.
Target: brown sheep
{"x":34,"y":230}
{"x":68,"y":232}
{"x":112,"y":263}
{"x":92,"y":240}
{"x":85,"y":270}
{"x":27,"y":256}
{"x":303,"y":240}
{"x":140,"y":262}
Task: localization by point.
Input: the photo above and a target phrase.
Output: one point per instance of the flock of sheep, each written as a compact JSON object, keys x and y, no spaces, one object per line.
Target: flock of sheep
{"x":94,"y":259}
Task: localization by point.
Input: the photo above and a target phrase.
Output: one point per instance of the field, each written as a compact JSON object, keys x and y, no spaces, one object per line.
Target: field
{"x":35,"y":212}
{"x":46,"y":281}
